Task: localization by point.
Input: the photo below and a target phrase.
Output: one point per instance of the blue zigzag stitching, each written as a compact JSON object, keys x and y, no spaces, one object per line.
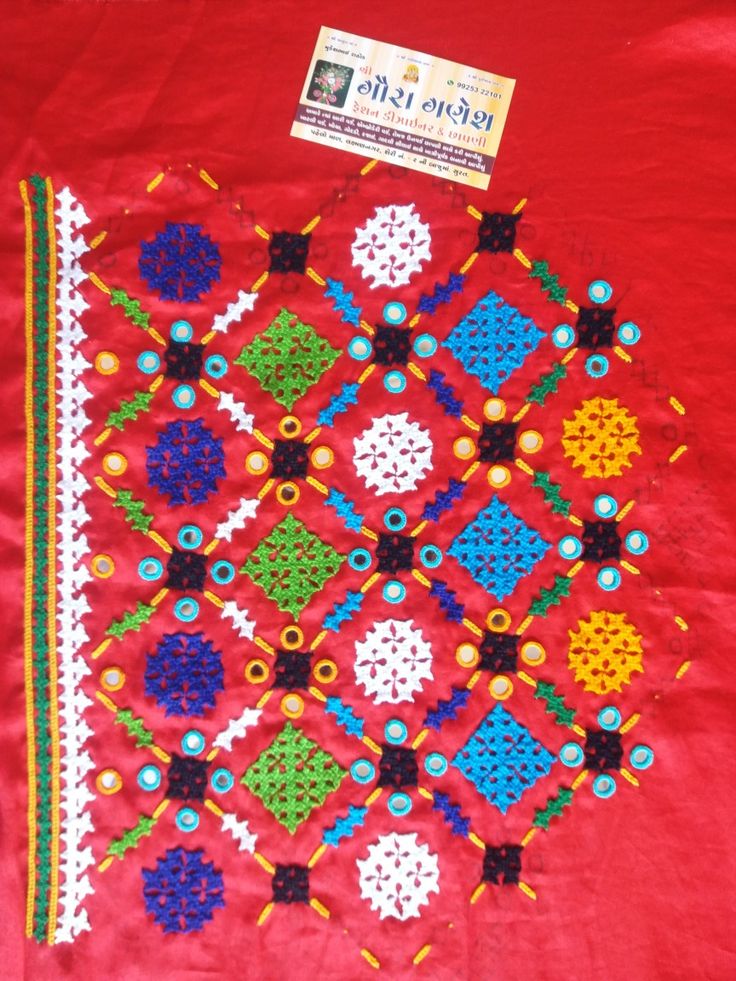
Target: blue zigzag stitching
{"x":453,"y":610}
{"x":338,"y":403}
{"x":444,"y":394}
{"x":345,"y":716}
{"x":460,"y":825}
{"x":343,"y":611}
{"x":345,"y":509}
{"x":442,"y":294}
{"x":447,"y":708}
{"x":344,"y":826}
{"x":350,"y":314}
{"x":443,"y":500}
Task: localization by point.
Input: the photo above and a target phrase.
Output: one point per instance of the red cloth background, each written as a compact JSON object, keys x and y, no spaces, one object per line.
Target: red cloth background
{"x":620,"y":134}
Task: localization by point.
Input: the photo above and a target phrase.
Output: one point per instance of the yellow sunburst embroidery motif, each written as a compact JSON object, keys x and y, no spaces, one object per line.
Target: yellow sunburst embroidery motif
{"x":601,"y":438}
{"x":604,"y":652}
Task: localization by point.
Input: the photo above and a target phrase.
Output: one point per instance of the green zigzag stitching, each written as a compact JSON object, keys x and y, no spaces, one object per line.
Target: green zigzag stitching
{"x":131,"y":621}
{"x":548,"y":282}
{"x":547,"y":384}
{"x":40,"y":653}
{"x":135,"y":727}
{"x":134,"y":513}
{"x":119,"y":846}
{"x":564,"y":716}
{"x":553,"y":808}
{"x":560,"y":505}
{"x":141,"y":402}
{"x":131,"y":308}
{"x":551,"y":597}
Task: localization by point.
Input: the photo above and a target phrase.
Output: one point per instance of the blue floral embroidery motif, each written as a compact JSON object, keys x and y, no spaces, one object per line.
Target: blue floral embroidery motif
{"x":184,"y":674}
{"x":502,"y":759}
{"x":185,"y":462}
{"x":493,"y":340}
{"x":182,"y":891}
{"x":498,"y":549}
{"x":181,"y":262}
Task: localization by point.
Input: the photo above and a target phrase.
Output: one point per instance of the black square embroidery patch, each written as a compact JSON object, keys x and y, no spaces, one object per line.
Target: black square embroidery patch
{"x":497,"y":232}
{"x":601,"y":541}
{"x":502,"y":864}
{"x":394,"y":552}
{"x":498,"y":653}
{"x":187,"y":778}
{"x":398,"y":767}
{"x":497,"y":442}
{"x":289,"y":459}
{"x":288,"y":252}
{"x":603,"y":750}
{"x":595,"y":327}
{"x":291,"y":670}
{"x":183,"y":360}
{"x":186,"y":571}
{"x":290,"y":884}
{"x":391,"y":345}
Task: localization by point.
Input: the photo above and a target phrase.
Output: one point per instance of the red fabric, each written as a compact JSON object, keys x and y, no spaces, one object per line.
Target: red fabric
{"x":617,"y":136}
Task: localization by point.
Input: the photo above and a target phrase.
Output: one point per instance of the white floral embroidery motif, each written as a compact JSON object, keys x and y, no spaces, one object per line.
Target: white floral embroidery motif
{"x":392,"y":245}
{"x":393,"y":454}
{"x":398,"y":875}
{"x":392,"y":661}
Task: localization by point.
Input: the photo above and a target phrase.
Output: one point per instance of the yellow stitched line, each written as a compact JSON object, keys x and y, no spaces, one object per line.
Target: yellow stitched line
{"x":51,"y":578}
{"x":371,"y":958}
{"x":678,"y":453}
{"x":677,"y":405}
{"x":152,"y":185}
{"x":27,"y":612}
{"x":203,"y":175}
{"x":421,"y":954}
{"x":368,"y":167}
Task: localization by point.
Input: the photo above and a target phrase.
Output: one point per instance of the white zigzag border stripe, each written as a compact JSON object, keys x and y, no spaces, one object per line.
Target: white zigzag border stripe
{"x":72,"y":546}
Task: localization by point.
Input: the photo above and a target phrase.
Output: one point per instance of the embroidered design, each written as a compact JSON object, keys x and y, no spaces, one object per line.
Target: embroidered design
{"x":497,"y":232}
{"x":391,"y":246}
{"x":398,"y":876}
{"x":502,"y":864}
{"x":498,"y":549}
{"x":291,"y":565}
{"x":502,"y":759}
{"x":393,"y":454}
{"x":605,"y":651}
{"x":184,"y":674}
{"x":186,"y":462}
{"x":600,"y":438}
{"x":298,"y":670}
{"x":493,"y":340}
{"x":292,"y":776}
{"x":392,"y":661}
{"x":181,"y":263}
{"x":287,"y":358}
{"x":183,"y":891}
{"x":288,"y":252}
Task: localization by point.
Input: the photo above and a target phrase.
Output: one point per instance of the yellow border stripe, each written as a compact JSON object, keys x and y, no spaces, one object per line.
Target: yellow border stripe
{"x":51,"y":574}
{"x":27,"y":607}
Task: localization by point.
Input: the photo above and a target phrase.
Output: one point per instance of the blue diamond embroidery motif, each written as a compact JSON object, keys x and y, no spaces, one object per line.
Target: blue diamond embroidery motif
{"x":498,"y":549}
{"x":493,"y":340}
{"x":502,"y":759}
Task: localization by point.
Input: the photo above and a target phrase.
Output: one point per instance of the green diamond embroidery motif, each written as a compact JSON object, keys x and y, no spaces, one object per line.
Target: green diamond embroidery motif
{"x":287,"y":358}
{"x":291,"y":565}
{"x":292,"y":776}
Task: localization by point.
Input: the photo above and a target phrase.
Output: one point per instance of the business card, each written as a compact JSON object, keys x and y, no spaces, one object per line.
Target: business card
{"x":408,"y":108}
